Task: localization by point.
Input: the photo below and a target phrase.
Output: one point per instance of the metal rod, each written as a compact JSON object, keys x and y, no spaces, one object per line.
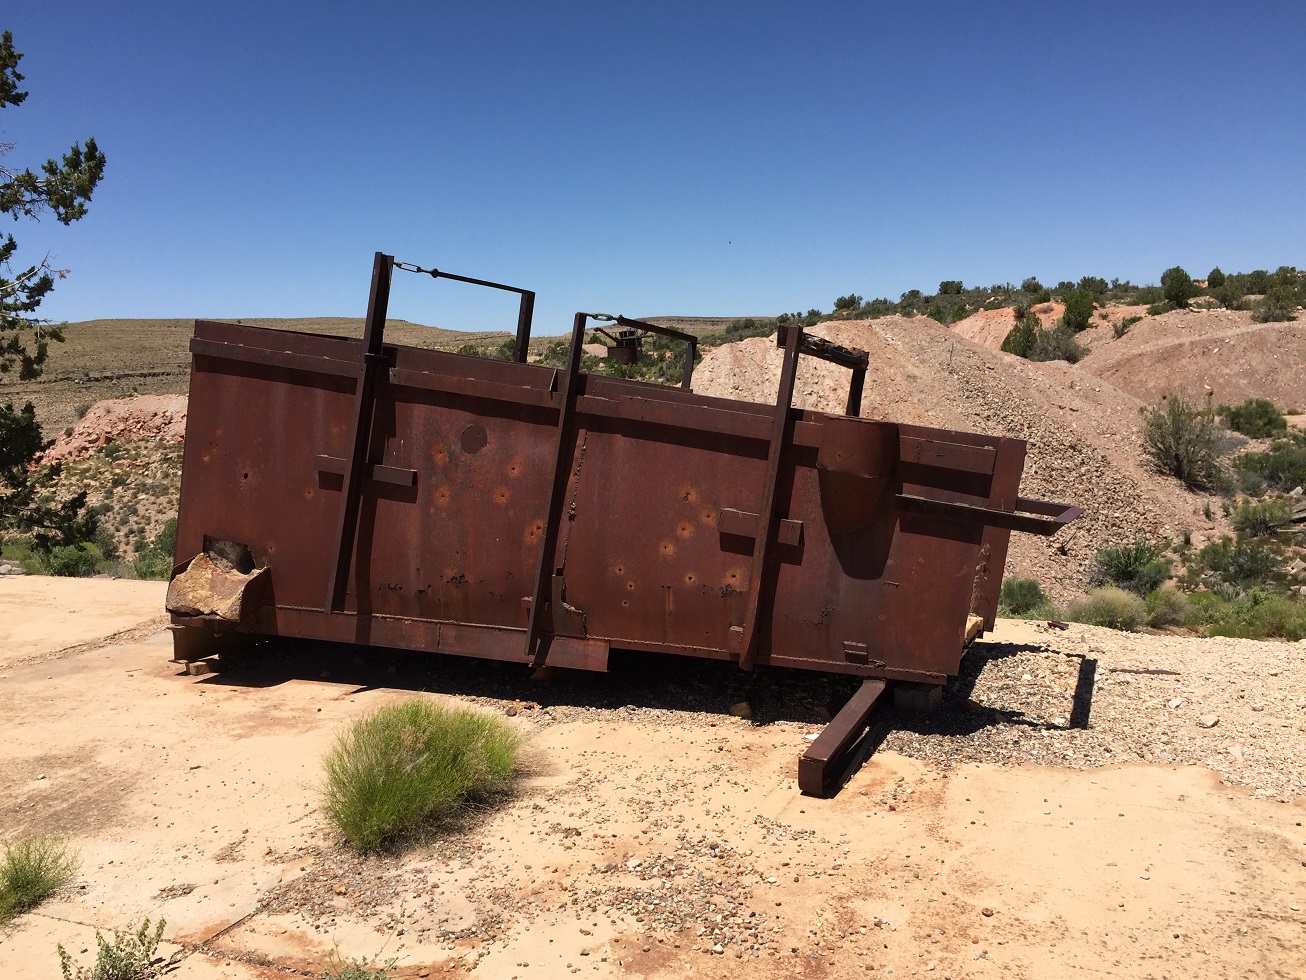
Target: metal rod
{"x":766,"y":515}
{"x":540,"y":619}
{"x":378,"y":304}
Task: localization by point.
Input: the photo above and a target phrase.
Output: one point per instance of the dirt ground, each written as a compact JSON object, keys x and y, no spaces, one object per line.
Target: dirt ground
{"x":649,"y":840}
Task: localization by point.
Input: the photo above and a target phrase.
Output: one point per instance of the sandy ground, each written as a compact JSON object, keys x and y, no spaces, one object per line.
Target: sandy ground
{"x":647,"y":842}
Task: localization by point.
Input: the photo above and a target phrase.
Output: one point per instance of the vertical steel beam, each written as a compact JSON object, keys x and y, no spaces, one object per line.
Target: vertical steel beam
{"x":855,"y":392}
{"x":687,"y":375}
{"x":766,"y":521}
{"x":525,"y":313}
{"x":378,"y":304}
{"x":540,"y":621}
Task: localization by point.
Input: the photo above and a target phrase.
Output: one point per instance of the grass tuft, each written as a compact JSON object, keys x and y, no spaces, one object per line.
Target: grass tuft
{"x":33,"y":867}
{"x":409,"y":763}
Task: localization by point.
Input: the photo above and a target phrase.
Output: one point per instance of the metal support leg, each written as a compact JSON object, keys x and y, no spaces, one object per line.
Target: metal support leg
{"x":825,"y":760}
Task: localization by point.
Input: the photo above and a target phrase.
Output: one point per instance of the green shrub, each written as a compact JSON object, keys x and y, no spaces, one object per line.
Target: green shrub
{"x":1137,"y":568}
{"x":71,"y":560}
{"x":1258,"y":615}
{"x":1259,"y":518}
{"x":81,"y":410}
{"x":1147,"y":295}
{"x":1110,"y":607}
{"x":32,"y":868}
{"x":1079,"y":310}
{"x":1241,"y":565}
{"x":1021,"y":338}
{"x":1057,"y":344}
{"x":1276,"y":306}
{"x":1283,"y":468}
{"x":1031,"y":285}
{"x":850,"y":302}
{"x":1156,"y":309}
{"x":1256,"y":418}
{"x":1122,"y":328}
{"x":1177,"y":286}
{"x":1215,"y":278}
{"x":129,"y":957}
{"x":407,"y":763}
{"x":950,"y":287}
{"x":1183,"y":441}
{"x":1020,"y":596}
{"x":1166,"y":606}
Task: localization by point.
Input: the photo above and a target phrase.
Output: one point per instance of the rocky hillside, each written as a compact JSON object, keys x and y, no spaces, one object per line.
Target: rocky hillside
{"x":1084,"y":434}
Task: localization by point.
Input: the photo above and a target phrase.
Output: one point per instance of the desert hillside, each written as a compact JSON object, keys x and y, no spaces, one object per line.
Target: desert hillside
{"x":1084,"y":434}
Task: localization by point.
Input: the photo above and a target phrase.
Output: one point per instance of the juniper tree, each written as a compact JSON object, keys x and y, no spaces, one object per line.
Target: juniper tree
{"x":62,"y":188}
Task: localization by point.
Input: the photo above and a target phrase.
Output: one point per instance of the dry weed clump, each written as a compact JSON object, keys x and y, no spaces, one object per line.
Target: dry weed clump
{"x":33,"y":868}
{"x":409,"y":763}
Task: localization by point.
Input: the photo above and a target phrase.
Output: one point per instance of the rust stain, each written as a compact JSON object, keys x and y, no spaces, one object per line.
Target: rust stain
{"x":708,"y":516}
{"x":684,"y":530}
{"x":500,"y":495}
{"x":516,"y":468}
{"x":667,"y":549}
{"x":439,"y":455}
{"x":689,"y":493}
{"x":442,"y":496}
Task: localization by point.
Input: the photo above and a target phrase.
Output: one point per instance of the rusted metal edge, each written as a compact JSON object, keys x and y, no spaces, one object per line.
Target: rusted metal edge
{"x":972,"y":514}
{"x":288,"y":360}
{"x":827,"y":757}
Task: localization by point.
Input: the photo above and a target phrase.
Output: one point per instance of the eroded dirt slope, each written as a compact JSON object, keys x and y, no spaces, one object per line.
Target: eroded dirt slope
{"x":1195,"y":352}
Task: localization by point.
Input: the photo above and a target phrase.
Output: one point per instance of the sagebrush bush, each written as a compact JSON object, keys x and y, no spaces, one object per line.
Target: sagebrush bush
{"x":1109,"y":606}
{"x":407,"y":763}
{"x":32,"y":868}
{"x":1256,"y":418}
{"x":1183,"y":441}
{"x":1166,"y":606}
{"x":1020,"y":596}
{"x":1137,"y":567}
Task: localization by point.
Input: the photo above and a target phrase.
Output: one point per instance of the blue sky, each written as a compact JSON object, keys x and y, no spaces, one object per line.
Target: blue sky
{"x":711,"y":159}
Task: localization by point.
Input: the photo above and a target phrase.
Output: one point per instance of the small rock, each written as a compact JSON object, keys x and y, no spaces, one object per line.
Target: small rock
{"x":986,"y":912}
{"x":511,"y":711}
{"x":1208,"y":721}
{"x":718,"y":948}
{"x":1174,"y":703}
{"x":741,"y":709}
